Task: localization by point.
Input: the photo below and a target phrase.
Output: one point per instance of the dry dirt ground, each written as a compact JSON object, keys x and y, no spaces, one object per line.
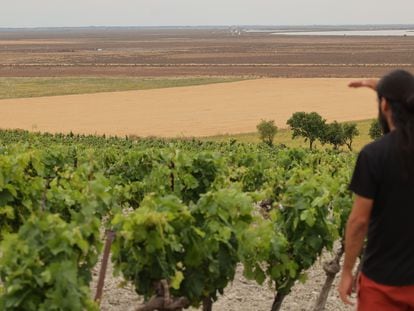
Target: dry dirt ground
{"x":190,"y":111}
{"x":241,"y":295}
{"x":192,"y":52}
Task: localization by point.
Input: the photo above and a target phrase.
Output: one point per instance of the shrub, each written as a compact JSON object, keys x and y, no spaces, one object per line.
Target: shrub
{"x":375,"y":130}
{"x":267,"y":131}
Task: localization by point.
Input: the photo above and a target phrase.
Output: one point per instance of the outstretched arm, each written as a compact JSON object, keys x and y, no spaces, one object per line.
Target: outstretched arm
{"x":369,"y":83}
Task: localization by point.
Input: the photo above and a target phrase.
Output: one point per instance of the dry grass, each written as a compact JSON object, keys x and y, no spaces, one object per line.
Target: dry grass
{"x":38,"y":87}
{"x":284,"y":136}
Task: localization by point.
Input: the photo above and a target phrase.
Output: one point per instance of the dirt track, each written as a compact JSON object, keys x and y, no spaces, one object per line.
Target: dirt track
{"x":189,"y":111}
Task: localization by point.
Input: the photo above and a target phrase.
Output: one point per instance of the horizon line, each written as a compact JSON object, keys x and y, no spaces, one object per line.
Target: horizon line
{"x":206,"y":26}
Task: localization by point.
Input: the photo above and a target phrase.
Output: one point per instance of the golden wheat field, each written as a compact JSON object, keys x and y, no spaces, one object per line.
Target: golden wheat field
{"x":203,"y":110}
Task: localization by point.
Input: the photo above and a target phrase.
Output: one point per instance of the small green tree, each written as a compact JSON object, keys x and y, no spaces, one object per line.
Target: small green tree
{"x":308,"y":125}
{"x":267,"y":131}
{"x":350,"y":132}
{"x":375,"y":130}
{"x":333,"y":134}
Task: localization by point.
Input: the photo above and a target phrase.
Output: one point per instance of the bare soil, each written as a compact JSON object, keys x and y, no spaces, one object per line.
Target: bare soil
{"x":241,"y":295}
{"x":197,"y":52}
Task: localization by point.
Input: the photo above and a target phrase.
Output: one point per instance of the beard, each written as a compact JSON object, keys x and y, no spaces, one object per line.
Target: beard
{"x":383,"y":122}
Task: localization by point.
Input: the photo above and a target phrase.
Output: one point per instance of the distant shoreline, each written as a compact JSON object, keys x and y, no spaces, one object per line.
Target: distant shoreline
{"x":389,"y":33}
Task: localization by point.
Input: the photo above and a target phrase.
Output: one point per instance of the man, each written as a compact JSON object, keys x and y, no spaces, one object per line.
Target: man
{"x":383,"y":210}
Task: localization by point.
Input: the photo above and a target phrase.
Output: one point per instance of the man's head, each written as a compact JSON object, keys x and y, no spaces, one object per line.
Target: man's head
{"x":396,"y":100}
{"x":396,"y":111}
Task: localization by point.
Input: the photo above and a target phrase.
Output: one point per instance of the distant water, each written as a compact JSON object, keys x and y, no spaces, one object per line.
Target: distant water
{"x":395,"y":33}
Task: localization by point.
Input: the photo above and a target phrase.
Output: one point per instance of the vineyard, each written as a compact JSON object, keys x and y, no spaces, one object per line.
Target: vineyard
{"x":178,"y":217}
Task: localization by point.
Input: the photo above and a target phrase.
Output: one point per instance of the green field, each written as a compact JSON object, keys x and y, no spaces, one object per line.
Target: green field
{"x":284,"y":136}
{"x":36,"y":87}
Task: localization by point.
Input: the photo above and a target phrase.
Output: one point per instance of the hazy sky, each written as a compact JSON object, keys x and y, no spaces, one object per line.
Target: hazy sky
{"x":38,"y":13}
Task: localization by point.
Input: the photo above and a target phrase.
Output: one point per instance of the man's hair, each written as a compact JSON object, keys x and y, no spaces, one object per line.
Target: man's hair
{"x":397,"y":88}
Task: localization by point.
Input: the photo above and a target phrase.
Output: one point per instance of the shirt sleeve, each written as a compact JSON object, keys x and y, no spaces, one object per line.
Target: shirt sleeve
{"x":364,"y":182}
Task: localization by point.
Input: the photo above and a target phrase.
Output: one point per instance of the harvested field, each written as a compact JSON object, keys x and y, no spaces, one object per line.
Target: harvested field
{"x":150,"y":52}
{"x":189,"y":111}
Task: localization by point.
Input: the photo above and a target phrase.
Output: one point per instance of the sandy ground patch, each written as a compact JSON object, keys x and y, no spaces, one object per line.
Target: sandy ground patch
{"x":190,"y":111}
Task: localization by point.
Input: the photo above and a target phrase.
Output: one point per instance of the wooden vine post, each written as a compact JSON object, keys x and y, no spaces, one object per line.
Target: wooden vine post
{"x":110,"y":235}
{"x":331,"y":269}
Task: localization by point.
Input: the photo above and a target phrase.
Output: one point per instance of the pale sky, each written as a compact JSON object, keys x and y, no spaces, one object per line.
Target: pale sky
{"x":51,"y":13}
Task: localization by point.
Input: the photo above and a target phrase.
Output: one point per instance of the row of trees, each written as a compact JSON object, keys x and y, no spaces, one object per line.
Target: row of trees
{"x":312,"y":127}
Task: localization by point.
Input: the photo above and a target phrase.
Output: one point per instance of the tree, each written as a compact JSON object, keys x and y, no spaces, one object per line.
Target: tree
{"x":350,"y":132}
{"x":307,"y":125}
{"x":333,"y":134}
{"x":267,"y":131}
{"x":375,"y":130}
{"x":338,"y":134}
